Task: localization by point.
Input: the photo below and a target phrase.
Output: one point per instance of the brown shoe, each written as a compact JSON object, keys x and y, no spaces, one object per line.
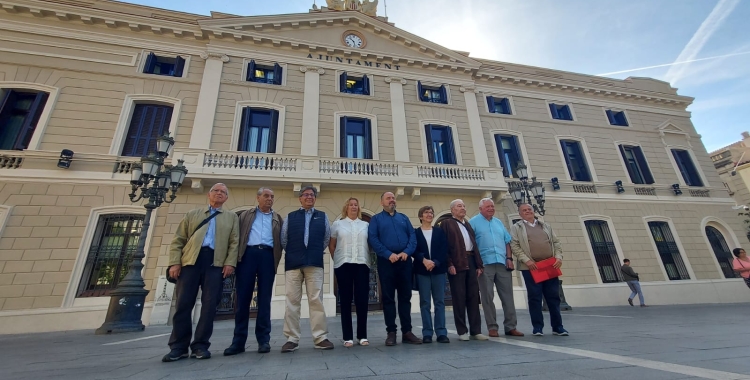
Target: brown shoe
{"x":324,"y":345}
{"x":410,"y":338}
{"x":289,"y":347}
{"x":494,"y":334}
{"x":514,"y":332}
{"x":391,"y":339}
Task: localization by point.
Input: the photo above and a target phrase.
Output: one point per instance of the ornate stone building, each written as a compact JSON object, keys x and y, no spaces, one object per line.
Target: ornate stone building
{"x":347,"y":102}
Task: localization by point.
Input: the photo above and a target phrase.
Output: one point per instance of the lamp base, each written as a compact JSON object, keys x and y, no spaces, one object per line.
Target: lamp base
{"x":124,"y":312}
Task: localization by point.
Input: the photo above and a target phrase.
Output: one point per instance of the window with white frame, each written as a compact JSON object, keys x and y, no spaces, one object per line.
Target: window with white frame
{"x":356,"y":137}
{"x":499,"y":105}
{"x":432,"y":94}
{"x":258,"y":130}
{"x":687,"y":168}
{"x":20,"y":111}
{"x":575,"y":160}
{"x":148,"y":123}
{"x":636,"y":165}
{"x":259,"y":73}
{"x":162,"y":65}
{"x":440,"y":145}
{"x":668,"y":250}
{"x":617,"y":118}
{"x":509,"y":153}
{"x":354,"y":84}
{"x":560,"y":111}
{"x":604,"y":249}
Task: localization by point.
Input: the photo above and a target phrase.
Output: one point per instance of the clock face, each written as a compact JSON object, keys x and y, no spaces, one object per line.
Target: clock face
{"x":353,"y":41}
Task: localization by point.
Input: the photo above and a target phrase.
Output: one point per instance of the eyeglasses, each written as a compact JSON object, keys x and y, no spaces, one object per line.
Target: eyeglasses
{"x":307,"y":195}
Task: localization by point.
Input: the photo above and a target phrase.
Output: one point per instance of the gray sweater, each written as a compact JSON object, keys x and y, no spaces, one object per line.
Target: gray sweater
{"x":628,"y":274}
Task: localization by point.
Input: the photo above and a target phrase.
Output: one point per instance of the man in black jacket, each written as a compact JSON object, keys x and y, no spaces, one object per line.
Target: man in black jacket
{"x":629,"y":275}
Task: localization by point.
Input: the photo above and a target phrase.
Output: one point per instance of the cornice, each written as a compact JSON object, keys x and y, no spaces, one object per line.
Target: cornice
{"x":316,"y":69}
{"x":395,"y":80}
{"x":218,"y":56}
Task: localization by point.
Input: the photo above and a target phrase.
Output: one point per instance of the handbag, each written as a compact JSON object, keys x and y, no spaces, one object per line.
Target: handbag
{"x":203,"y":223}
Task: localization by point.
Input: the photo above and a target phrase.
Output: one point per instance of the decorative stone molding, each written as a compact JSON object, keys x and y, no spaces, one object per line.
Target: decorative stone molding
{"x":220,"y":56}
{"x":395,"y":79}
{"x":468,"y":88}
{"x":305,"y":69}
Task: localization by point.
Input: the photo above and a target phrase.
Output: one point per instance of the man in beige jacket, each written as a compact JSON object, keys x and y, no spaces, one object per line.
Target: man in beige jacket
{"x":532,"y":241}
{"x":203,"y":252}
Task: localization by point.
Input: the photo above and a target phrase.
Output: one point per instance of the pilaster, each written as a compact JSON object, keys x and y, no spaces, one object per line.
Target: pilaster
{"x":475,"y":126}
{"x":311,"y":110}
{"x":400,"y":139}
{"x":207,"y":99}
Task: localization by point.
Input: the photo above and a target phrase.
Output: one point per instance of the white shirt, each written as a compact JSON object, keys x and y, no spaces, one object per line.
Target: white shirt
{"x":467,"y":238}
{"x":428,"y":236}
{"x":531,"y":224}
{"x":351,"y":242}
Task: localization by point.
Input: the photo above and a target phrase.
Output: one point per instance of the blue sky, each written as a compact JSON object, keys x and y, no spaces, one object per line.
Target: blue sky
{"x":585,"y":36}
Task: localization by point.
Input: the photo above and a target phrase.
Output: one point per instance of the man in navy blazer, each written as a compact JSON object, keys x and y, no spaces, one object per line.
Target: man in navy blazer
{"x":430,"y":266}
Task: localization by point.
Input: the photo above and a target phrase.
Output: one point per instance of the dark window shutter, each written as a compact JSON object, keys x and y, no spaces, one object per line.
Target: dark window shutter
{"x":506,"y":106}
{"x":501,"y":153}
{"x":368,"y":139}
{"x":277,"y":74}
{"x":244,"y":130}
{"x":251,"y":71}
{"x":430,"y":147}
{"x":365,"y":86}
{"x":611,"y":117}
{"x":148,"y":68}
{"x":517,"y":150}
{"x":643,"y":165}
{"x":451,"y":149}
{"x":564,"y":145}
{"x":342,"y":137}
{"x":443,"y":95}
{"x":553,"y":111}
{"x":148,"y":122}
{"x":273,"y":131}
{"x":179,"y":66}
{"x":620,"y":118}
{"x":420,"y":91}
{"x":633,"y":176}
{"x":6,"y":110}
{"x":491,"y":104}
{"x":565,"y":113}
{"x":342,"y":82}
{"x":29,"y":125}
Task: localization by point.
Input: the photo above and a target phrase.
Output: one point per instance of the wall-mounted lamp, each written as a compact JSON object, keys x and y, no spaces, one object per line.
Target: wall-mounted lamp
{"x":66,"y":157}
{"x":555,"y":183}
{"x":620,"y":189}
{"x":676,"y":189}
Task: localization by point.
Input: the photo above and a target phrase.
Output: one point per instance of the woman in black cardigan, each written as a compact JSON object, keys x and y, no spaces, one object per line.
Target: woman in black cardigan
{"x":430,"y":267}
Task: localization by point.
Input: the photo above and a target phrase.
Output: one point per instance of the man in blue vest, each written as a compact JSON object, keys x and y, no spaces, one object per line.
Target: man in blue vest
{"x":393,"y":239}
{"x":304,"y":236}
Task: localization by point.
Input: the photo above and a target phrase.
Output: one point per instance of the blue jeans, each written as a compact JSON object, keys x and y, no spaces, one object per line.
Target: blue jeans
{"x":550,"y":290}
{"x":635,"y":287}
{"x":432,"y":286}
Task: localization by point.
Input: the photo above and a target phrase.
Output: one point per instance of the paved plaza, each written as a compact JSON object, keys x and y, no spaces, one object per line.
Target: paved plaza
{"x":612,"y":343}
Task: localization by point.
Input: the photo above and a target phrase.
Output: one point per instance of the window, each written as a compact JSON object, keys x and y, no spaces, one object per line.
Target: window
{"x":721,"y":251}
{"x":617,"y":118}
{"x":432,"y":94}
{"x":575,"y":160}
{"x":687,"y":168}
{"x":264,"y":74}
{"x":668,"y":251}
{"x":509,"y":154}
{"x":498,"y":105}
{"x":258,"y":130}
{"x":356,"y":138}
{"x":604,"y":250}
{"x":149,"y":121}
{"x":19,"y":114}
{"x":354,"y":85}
{"x":115,"y":241}
{"x":560,"y":112}
{"x":636,"y":164}
{"x":440,"y":148}
{"x":168,"y":66}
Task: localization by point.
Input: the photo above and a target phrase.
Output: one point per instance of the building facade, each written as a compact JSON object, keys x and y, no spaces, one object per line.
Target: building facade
{"x":351,"y":104}
{"x":726,"y":161}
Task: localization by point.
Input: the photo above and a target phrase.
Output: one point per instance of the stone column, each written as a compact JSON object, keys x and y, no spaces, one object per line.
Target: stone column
{"x":400,"y":141}
{"x":311,"y":110}
{"x":203,"y":123}
{"x":475,"y":127}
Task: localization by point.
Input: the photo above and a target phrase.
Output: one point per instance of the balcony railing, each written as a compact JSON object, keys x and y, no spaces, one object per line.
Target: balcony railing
{"x":249,"y":162}
{"x":10,"y":162}
{"x":450,"y":172}
{"x":358,"y":168}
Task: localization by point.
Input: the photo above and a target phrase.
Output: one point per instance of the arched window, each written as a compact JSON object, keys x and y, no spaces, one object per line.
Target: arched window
{"x":721,"y":250}
{"x":668,"y":250}
{"x":605,"y":252}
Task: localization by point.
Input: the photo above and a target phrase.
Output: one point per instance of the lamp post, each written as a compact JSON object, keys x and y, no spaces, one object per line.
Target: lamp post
{"x":524,"y":190}
{"x":154,"y":180}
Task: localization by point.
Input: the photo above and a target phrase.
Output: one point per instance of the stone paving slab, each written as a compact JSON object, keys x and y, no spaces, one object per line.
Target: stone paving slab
{"x":698,"y":338}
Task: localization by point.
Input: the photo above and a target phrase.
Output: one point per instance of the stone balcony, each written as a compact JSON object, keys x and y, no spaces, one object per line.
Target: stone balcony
{"x":401,"y":177}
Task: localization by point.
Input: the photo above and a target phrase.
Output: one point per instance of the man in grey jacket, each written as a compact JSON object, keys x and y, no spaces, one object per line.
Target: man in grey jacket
{"x":629,"y":276}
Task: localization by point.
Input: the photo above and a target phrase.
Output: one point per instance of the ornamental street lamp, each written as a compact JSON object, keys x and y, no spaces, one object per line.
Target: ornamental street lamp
{"x":525,"y":190}
{"x":126,"y":305}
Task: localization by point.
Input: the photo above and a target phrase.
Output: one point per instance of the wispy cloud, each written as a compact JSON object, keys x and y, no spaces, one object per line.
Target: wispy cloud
{"x":674,"y":63}
{"x":712,"y":23}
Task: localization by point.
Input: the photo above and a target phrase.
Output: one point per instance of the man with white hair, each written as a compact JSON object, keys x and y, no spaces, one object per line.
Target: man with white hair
{"x":464,"y":268}
{"x":493,"y":241}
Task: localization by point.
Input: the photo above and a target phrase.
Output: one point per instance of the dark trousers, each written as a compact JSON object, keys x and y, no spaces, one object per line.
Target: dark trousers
{"x":257,"y":264}
{"x":354,"y":282}
{"x":465,"y":298}
{"x":192,"y":277}
{"x":396,"y":277}
{"x":550,"y":290}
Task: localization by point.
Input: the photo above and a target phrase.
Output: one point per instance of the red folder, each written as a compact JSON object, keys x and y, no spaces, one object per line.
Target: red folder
{"x":545,"y":270}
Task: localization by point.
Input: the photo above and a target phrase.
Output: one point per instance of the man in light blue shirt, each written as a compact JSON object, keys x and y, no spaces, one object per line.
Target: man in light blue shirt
{"x":493,"y":241}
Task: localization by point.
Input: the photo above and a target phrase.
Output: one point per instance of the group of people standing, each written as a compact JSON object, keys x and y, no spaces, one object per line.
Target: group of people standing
{"x":475,"y":255}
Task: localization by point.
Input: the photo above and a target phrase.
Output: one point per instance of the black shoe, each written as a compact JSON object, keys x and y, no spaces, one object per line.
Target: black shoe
{"x":426,"y":339}
{"x":443,"y":339}
{"x":264,"y":348}
{"x":201,"y":353}
{"x":174,"y":356}
{"x":390,"y":340}
{"x":234,"y":349}
{"x":630,"y":301}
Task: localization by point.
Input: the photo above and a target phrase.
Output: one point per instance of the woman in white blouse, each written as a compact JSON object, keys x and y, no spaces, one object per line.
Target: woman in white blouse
{"x":348,"y":246}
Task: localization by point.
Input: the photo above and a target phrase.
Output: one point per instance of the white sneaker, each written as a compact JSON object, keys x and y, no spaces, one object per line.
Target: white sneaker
{"x":480,"y":337}
{"x":464,"y":337}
